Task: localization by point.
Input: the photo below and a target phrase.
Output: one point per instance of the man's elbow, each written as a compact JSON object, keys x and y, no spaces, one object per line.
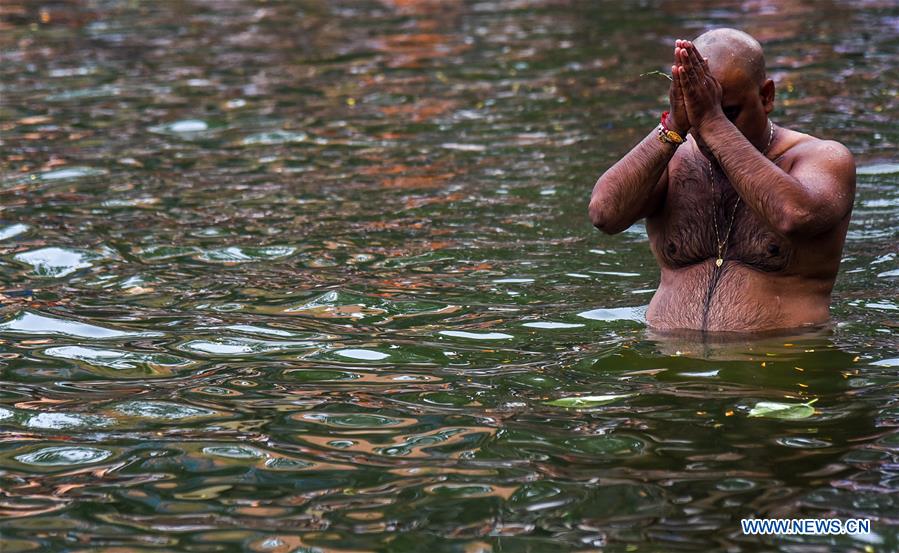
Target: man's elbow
{"x":601,"y":219}
{"x":795,"y":223}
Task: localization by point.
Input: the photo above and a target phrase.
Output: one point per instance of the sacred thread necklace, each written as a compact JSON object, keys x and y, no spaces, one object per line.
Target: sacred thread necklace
{"x":722,"y":244}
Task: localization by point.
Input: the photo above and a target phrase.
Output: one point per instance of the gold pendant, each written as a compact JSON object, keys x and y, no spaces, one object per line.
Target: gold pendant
{"x":718,"y":262}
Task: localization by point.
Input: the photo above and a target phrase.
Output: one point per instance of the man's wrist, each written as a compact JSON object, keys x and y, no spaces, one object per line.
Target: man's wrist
{"x":667,"y":135}
{"x":670,"y":124}
{"x":712,"y":121}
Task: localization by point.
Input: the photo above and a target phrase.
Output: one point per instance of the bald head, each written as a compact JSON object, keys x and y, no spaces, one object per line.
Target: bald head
{"x":732,"y":50}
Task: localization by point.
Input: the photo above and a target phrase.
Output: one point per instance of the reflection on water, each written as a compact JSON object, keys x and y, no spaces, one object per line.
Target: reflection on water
{"x":286,"y":276}
{"x":734,"y":345}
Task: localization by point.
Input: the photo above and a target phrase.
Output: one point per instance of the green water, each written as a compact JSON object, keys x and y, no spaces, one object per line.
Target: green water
{"x":301,"y":276}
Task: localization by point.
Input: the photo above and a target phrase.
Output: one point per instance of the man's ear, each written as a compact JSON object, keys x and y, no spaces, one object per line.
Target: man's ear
{"x":767,"y":94}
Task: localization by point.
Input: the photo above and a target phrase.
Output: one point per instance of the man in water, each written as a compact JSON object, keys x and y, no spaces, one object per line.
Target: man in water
{"x":746,"y":219}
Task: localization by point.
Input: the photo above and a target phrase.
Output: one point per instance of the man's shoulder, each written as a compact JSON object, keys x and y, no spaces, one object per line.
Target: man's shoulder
{"x":810,"y":148}
{"x":809,"y":153}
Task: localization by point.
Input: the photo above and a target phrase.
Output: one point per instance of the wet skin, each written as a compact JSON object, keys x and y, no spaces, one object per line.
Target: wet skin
{"x":795,"y":192}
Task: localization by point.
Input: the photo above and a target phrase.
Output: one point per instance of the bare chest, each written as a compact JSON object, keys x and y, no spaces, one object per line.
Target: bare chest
{"x":704,"y":218}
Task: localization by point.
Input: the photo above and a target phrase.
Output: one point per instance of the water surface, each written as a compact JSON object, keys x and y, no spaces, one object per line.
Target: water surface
{"x":302,"y":276}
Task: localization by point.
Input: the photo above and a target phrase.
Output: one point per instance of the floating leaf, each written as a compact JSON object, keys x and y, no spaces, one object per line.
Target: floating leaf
{"x":584,"y":402}
{"x":783,"y":411}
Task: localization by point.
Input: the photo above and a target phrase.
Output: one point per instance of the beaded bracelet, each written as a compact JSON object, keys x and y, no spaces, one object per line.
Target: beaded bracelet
{"x":668,"y":136}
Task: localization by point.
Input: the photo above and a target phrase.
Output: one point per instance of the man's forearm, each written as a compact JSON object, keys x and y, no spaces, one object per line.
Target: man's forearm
{"x":769,"y":191}
{"x":627,"y":190}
